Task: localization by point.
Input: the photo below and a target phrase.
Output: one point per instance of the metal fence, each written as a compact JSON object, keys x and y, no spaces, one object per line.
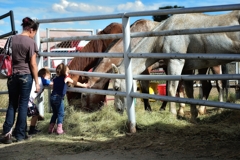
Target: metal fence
{"x":128,"y":55}
{"x":3,"y":93}
{"x":126,"y":38}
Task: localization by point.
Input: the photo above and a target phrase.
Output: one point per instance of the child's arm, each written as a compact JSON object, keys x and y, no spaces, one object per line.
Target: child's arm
{"x":84,"y":85}
{"x":68,"y":79}
{"x":51,"y":85}
{"x":47,"y":82}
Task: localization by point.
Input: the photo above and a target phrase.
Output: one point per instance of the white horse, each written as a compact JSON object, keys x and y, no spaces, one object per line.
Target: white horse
{"x":228,"y":42}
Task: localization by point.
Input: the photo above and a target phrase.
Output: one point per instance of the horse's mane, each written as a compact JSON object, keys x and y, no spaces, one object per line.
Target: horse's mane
{"x":106,"y":51}
{"x":134,"y":23}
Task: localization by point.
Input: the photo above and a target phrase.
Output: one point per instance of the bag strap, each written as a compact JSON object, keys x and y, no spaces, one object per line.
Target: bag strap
{"x":8,"y":46}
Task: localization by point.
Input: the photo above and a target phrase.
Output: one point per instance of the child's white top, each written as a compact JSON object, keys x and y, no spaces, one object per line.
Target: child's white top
{"x":33,"y":95}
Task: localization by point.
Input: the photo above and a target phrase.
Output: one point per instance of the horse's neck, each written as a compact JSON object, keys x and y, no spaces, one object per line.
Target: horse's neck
{"x":82,"y":63}
{"x":146,"y":45}
{"x":138,"y":26}
{"x":106,"y":64}
{"x":90,"y":47}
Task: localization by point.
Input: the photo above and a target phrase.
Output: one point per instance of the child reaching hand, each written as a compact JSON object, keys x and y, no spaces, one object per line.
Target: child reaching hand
{"x":57,"y":96}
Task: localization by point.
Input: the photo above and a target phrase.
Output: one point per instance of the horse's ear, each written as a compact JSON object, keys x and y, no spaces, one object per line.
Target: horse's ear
{"x":114,"y":69}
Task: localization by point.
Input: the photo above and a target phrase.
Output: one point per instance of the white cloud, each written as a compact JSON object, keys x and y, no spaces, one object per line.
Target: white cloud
{"x":84,"y":22}
{"x":58,"y":8}
{"x":67,"y":6}
{"x":136,"y":6}
{"x":2,"y":22}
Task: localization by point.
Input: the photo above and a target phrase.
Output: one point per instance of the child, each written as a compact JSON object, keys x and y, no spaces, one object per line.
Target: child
{"x":44,"y":80}
{"x":57,"y":96}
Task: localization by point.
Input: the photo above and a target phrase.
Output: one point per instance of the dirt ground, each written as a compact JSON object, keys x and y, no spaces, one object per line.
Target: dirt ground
{"x":142,"y":145}
{"x":138,"y":146}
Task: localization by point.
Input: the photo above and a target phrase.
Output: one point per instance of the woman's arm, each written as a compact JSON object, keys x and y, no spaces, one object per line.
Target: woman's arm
{"x":34,"y":69}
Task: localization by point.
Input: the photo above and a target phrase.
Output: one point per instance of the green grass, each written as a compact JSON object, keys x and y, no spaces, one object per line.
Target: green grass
{"x":107,"y":123}
{"x":107,"y":129}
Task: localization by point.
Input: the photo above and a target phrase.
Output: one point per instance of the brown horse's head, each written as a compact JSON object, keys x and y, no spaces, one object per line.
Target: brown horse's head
{"x":85,"y":63}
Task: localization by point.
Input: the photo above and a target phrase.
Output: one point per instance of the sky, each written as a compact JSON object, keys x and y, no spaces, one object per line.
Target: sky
{"x":48,"y":9}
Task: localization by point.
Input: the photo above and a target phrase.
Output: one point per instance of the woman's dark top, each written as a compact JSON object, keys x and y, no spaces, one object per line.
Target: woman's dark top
{"x":23,"y":48}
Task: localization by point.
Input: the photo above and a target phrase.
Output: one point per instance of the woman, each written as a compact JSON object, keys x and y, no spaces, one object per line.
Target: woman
{"x":24,"y":53}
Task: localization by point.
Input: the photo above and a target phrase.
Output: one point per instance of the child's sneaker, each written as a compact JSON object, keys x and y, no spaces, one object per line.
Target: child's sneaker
{"x":33,"y":130}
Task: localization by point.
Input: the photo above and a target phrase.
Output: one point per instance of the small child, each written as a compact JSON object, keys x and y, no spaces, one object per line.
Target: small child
{"x":57,"y":96}
{"x":44,"y":80}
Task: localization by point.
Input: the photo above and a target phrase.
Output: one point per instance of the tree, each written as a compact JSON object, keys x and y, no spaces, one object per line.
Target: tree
{"x":160,"y":18}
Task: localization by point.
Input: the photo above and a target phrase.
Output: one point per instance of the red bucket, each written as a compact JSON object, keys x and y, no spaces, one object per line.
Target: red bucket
{"x":162,"y":89}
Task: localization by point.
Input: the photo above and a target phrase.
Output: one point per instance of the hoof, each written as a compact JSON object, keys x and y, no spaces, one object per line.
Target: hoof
{"x":202,"y":110}
{"x":194,"y":120}
{"x":162,"y":109}
{"x":220,"y":110}
{"x":180,"y":113}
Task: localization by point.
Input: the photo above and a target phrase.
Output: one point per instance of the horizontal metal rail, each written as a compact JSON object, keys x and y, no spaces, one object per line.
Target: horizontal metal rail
{"x":59,"y":58}
{"x":96,"y":91}
{"x":213,"y":56}
{"x":93,"y":37}
{"x":3,"y":110}
{"x":81,"y":54}
{"x":187,"y":100}
{"x":3,"y":92}
{"x":187,"y":31}
{"x":188,"y":77}
{"x":220,"y":56}
{"x":148,"y":34}
{"x":159,"y":97}
{"x":184,"y":10}
{"x":146,"y":13}
{"x":71,"y":30}
{"x":157,"y":77}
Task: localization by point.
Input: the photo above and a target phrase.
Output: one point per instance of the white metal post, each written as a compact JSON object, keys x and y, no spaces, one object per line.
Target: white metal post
{"x":40,"y":65}
{"x":48,"y":49}
{"x":128,"y":75}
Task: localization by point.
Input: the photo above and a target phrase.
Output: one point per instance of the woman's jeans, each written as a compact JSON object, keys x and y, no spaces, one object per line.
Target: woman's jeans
{"x":57,"y":108}
{"x":19,"y":88}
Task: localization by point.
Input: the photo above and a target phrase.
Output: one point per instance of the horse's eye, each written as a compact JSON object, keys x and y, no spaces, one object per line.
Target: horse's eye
{"x":116,"y":88}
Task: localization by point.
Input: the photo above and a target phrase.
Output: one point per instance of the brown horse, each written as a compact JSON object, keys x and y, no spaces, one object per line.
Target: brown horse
{"x":86,"y":63}
{"x":105,"y":66}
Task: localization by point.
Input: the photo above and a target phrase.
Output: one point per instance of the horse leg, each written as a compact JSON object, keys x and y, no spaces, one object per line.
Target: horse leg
{"x":189,"y":91}
{"x":225,"y":83}
{"x":180,"y":92}
{"x":145,"y":89}
{"x":175,"y":67}
{"x":218,"y":70}
{"x":206,"y":88}
{"x":164,"y":103}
